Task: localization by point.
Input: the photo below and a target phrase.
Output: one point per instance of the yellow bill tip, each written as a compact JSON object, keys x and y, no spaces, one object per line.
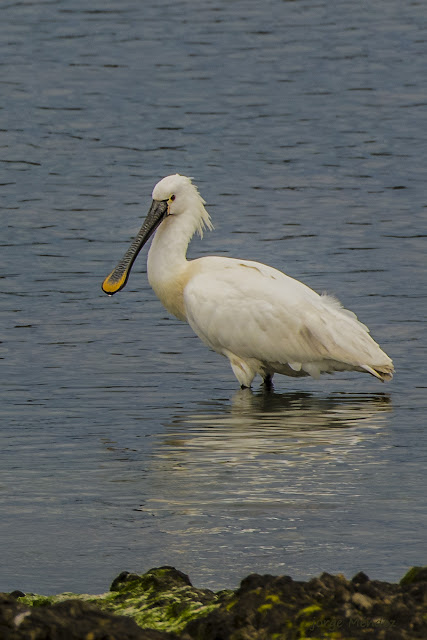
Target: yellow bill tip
{"x":114,"y":282}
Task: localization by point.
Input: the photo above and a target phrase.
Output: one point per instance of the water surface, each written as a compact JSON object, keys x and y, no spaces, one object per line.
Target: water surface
{"x":125,"y":443}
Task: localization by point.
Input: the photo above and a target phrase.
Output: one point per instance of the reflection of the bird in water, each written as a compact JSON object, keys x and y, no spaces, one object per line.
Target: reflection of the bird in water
{"x":268,"y":449}
{"x":253,"y":422}
{"x":303,"y":410}
{"x":276,"y":483}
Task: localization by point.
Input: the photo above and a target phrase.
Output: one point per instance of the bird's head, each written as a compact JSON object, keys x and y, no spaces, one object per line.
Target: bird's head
{"x":176,"y":191}
{"x":173,"y":196}
{"x":181,"y":196}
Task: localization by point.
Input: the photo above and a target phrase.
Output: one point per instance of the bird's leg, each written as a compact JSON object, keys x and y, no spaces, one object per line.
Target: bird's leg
{"x":268,"y":381}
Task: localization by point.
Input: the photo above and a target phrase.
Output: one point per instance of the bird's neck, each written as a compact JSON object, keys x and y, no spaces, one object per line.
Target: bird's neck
{"x":168,"y":250}
{"x":167,"y":264}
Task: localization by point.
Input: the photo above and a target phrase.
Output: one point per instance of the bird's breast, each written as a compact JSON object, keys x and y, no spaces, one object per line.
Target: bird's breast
{"x":170,"y":292}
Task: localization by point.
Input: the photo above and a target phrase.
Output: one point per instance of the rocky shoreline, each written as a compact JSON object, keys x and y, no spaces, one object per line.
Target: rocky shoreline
{"x":162,"y":604}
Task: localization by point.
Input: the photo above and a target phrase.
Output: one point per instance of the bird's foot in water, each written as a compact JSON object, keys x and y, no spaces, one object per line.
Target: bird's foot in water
{"x":268,"y":383}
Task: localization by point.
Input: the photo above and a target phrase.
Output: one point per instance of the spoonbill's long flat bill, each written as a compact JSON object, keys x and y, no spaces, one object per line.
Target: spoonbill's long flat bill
{"x":262,"y":320}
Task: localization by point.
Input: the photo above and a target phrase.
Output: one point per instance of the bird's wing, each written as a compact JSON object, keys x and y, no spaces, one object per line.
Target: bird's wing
{"x":255,"y":311}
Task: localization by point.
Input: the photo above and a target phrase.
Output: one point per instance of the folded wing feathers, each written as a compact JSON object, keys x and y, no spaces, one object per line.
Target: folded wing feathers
{"x":359,"y":348}
{"x":286,"y":324}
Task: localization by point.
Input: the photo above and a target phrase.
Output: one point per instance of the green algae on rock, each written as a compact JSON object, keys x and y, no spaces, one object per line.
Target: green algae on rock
{"x":162,"y":604}
{"x":416,"y":574}
{"x":162,"y":598}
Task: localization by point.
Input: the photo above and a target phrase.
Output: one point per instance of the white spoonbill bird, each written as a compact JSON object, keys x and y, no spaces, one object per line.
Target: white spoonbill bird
{"x":262,"y":320}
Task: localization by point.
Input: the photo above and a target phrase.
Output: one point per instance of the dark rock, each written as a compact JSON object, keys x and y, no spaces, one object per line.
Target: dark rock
{"x":9,"y":610}
{"x":217,"y":625}
{"x":262,"y":608}
{"x":158,"y":579}
{"x":360,"y":578}
{"x":68,"y":620}
{"x":253,"y":581}
{"x":329,"y":606}
{"x":416,"y":574}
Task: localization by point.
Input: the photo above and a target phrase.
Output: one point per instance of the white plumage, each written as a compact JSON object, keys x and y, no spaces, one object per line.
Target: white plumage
{"x":262,"y":320}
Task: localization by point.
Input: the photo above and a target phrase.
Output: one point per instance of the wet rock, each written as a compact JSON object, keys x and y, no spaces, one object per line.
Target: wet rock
{"x":360,"y":578}
{"x":362,"y":602}
{"x":163,"y":604}
{"x":416,"y":574}
{"x":159,"y":579}
{"x":69,"y":620}
{"x":329,"y":606}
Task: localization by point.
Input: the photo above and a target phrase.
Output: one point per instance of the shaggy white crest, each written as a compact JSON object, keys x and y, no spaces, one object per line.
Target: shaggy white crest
{"x":186,"y":199}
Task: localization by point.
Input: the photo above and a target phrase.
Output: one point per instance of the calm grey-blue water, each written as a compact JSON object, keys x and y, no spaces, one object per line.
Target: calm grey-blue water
{"x":125,"y":443}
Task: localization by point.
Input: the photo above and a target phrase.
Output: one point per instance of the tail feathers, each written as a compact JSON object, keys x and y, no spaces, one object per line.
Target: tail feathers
{"x":383,"y":372}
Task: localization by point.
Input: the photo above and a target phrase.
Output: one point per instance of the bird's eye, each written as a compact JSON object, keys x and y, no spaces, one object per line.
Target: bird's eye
{"x":172,"y":198}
